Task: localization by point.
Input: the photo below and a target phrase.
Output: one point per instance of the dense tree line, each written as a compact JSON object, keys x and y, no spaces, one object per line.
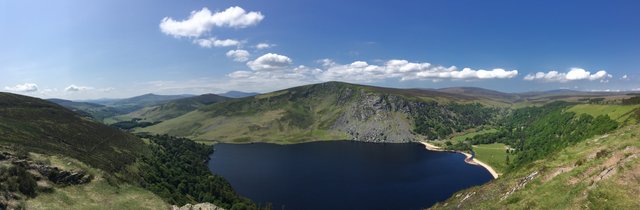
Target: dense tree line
{"x":535,"y":132}
{"x":177,"y":172}
{"x":133,"y":123}
{"x":439,"y":121}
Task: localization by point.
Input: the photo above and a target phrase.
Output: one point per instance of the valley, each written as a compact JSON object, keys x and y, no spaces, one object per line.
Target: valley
{"x":129,"y":146}
{"x":314,"y":105}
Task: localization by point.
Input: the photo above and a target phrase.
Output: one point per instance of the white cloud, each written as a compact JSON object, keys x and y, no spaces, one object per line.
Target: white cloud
{"x":263,"y":45}
{"x":238,"y":55}
{"x":405,"y":70}
{"x":213,"y":42}
{"x":273,"y":71}
{"x":270,"y":62}
{"x":240,"y":74}
{"x":26,"y":87}
{"x":278,"y":67}
{"x":203,"y":21}
{"x":74,"y":88}
{"x":573,"y":75}
{"x":625,"y":77}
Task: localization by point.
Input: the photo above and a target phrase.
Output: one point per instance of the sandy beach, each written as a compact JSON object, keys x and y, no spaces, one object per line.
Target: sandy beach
{"x":467,"y":160}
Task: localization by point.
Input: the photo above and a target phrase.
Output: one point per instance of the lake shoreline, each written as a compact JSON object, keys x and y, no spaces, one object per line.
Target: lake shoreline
{"x":468,"y":159}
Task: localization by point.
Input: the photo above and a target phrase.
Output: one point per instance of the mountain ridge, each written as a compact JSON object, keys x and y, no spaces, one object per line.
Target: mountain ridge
{"x":325,"y":111}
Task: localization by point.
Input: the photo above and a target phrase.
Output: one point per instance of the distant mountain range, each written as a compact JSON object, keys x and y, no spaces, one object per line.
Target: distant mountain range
{"x":336,"y":110}
{"x":554,"y":137}
{"x":238,"y":94}
{"x":170,"y":109}
{"x":155,"y":108}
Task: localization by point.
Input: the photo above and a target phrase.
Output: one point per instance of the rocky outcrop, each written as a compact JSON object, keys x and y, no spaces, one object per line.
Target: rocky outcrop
{"x":520,"y":184}
{"x":62,"y":177}
{"x":54,"y":174}
{"x":44,"y":176}
{"x":199,"y":206}
{"x":377,"y":118}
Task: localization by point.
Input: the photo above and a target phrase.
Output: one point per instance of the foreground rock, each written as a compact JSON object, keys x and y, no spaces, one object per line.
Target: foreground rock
{"x":32,"y":178}
{"x":199,"y":206}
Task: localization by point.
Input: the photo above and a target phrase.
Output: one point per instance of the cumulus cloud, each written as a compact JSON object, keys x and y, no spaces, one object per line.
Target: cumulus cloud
{"x":26,"y":87}
{"x":213,"y":42}
{"x":573,"y":75}
{"x":263,"y":45}
{"x":238,"y":55}
{"x":270,"y":62}
{"x":624,"y":77}
{"x":273,"y":66}
{"x":203,"y":21}
{"x":74,"y":88}
{"x":405,"y":70}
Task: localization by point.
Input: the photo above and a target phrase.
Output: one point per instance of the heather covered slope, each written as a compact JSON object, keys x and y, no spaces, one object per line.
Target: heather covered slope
{"x":45,"y":127}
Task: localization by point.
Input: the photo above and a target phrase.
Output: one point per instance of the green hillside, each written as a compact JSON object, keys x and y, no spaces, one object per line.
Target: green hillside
{"x":44,"y":127}
{"x":169,"y":109}
{"x":96,"y":111}
{"x":599,"y":173}
{"x":50,"y":155}
{"x":620,"y":113}
{"x":147,"y":100}
{"x":563,"y":156}
{"x":330,"y":111}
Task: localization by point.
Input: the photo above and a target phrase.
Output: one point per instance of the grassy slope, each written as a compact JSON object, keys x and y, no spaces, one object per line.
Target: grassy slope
{"x":618,"y":113}
{"x":600,"y":173}
{"x":294,"y":115}
{"x":493,"y":154}
{"x":168,"y":110}
{"x":98,"y":194}
{"x":257,"y":118}
{"x":68,"y":141}
{"x":262,"y":123}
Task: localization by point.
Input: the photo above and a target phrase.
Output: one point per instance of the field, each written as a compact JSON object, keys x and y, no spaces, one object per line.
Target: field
{"x":618,"y":113}
{"x":493,"y":154}
{"x":472,"y":134}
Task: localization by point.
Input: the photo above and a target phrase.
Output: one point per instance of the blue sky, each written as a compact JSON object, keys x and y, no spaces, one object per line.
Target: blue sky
{"x":81,"y":49}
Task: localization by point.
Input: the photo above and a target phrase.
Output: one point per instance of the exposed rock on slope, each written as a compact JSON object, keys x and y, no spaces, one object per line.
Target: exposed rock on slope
{"x":20,"y":177}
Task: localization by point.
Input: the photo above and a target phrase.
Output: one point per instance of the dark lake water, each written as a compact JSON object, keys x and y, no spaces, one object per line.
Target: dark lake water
{"x":344,"y":174}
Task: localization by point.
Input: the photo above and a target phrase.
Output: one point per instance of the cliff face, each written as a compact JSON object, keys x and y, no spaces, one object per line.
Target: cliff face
{"x":326,"y":111}
{"x":373,"y":118}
